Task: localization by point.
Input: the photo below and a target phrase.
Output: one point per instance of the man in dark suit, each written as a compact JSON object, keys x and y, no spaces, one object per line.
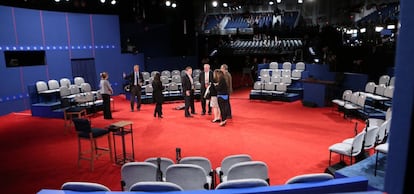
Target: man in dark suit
{"x":188,"y":91}
{"x":135,"y":83}
{"x":206,"y":77}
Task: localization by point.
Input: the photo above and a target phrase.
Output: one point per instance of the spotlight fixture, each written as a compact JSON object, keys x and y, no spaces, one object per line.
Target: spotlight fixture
{"x":271,"y":2}
{"x":57,"y":1}
{"x":103,"y":1}
{"x":173,"y":5}
{"x":300,"y":1}
{"x":362,"y":30}
{"x":378,"y":28}
{"x":391,"y":27}
{"x":214,"y":3}
{"x":167,"y":3}
{"x":113,"y":2}
{"x":278,"y":1}
{"x":225,"y":4}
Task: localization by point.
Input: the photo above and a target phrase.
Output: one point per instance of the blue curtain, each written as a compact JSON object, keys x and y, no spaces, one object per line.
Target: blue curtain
{"x":85,"y":68}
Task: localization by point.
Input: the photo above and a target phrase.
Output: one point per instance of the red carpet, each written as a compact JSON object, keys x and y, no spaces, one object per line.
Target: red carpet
{"x":290,"y":138}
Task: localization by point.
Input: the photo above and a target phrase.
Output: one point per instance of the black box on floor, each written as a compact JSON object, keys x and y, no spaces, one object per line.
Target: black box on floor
{"x":331,"y":169}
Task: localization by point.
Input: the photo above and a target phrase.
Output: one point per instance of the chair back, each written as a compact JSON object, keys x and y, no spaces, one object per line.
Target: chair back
{"x":203,"y":162}
{"x":53,"y":84}
{"x":166,"y":73}
{"x":82,"y":125}
{"x":384,"y":79}
{"x":228,"y":161}
{"x":164,"y":163}
{"x":287,"y":65}
{"x":257,"y":85}
{"x":155,"y":186}
{"x":64,"y":91}
{"x":389,"y":91}
{"x":382,"y":132}
{"x":145,"y":75}
{"x":358,"y":143}
{"x":370,"y":137}
{"x":269,"y":86}
{"x":133,"y":172}
{"x":149,"y":89}
{"x":78,"y":81}
{"x":86,"y":87}
{"x":273,"y":65}
{"x":41,"y":86}
{"x":175,"y":72}
{"x":242,"y":183}
{"x":176,"y":79}
{"x":154,"y":72}
{"x":84,"y":187}
{"x":308,"y":178}
{"x":65,"y":82}
{"x":188,"y":176}
{"x":300,"y":66}
{"x":249,"y":169}
{"x":370,"y":87}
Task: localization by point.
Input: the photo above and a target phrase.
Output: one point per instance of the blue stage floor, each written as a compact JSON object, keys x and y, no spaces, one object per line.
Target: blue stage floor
{"x":366,"y":168}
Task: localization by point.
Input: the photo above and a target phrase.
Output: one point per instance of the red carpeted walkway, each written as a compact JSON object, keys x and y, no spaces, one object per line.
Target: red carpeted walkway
{"x":290,"y":138}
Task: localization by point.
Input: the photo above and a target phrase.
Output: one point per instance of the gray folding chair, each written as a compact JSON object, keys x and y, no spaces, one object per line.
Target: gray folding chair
{"x":187,"y":176}
{"x":133,"y":172}
{"x":249,"y":169}
{"x":228,"y":161}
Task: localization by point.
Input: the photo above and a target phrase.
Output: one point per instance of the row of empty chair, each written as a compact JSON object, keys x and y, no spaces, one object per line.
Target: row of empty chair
{"x":277,"y":78}
{"x":374,"y":134}
{"x":157,"y":186}
{"x":193,"y":172}
{"x":53,"y":85}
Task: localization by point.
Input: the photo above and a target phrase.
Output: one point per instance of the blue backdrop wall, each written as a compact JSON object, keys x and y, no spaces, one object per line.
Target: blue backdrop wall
{"x":63,"y":37}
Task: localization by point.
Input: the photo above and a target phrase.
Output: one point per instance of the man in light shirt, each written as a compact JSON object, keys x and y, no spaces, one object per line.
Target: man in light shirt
{"x":206,"y":77}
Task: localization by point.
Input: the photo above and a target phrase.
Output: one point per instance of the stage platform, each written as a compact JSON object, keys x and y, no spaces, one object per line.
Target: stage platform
{"x":366,"y":169}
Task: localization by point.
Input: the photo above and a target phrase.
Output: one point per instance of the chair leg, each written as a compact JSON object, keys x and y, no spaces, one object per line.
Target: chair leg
{"x":330,"y":158}
{"x":93,"y":154}
{"x":79,"y":151}
{"x":110,"y":148}
{"x":376,"y":164}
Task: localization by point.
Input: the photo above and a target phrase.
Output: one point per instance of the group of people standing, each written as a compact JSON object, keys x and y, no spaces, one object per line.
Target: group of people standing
{"x":214,"y":93}
{"x":216,"y":87}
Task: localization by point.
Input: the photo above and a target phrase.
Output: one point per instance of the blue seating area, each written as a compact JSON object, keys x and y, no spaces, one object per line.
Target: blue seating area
{"x":389,"y":12}
{"x":352,"y":184}
{"x":52,"y":102}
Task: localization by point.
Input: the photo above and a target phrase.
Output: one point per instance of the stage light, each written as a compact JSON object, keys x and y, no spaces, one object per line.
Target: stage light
{"x":300,"y":1}
{"x":271,"y":2}
{"x":391,"y":27}
{"x":225,"y":4}
{"x":278,"y":1}
{"x":167,"y":3}
{"x":57,"y":1}
{"x":214,"y":3}
{"x":113,"y":2}
{"x":379,"y":28}
{"x":103,"y":1}
{"x":174,"y":5}
{"x":362,"y":30}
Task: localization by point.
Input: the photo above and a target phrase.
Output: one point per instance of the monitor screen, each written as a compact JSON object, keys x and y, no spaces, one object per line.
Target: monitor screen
{"x":24,"y":58}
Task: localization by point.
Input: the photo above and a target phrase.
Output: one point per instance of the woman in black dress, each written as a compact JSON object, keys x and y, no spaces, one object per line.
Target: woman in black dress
{"x":157,"y":95}
{"x":222,"y":95}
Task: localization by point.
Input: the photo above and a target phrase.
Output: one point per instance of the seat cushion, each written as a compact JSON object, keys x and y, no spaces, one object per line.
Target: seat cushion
{"x":96,"y":132}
